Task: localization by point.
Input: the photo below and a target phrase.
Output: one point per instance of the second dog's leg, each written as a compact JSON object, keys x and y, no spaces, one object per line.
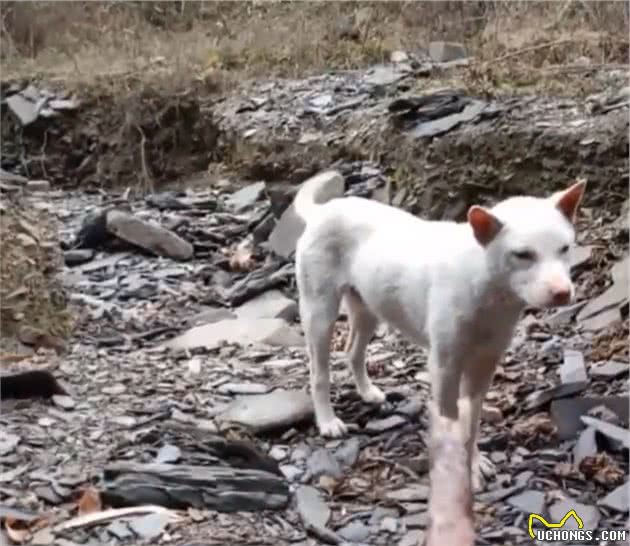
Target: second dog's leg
{"x":445,"y":372}
{"x":318,"y":320}
{"x":475,"y":383}
{"x":362,"y":326}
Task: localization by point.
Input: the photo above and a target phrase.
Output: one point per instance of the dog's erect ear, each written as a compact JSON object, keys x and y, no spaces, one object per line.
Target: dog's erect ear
{"x":485,"y":225}
{"x":568,"y":201}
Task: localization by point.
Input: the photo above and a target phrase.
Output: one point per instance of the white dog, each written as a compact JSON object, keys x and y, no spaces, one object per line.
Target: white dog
{"x":456,"y":288}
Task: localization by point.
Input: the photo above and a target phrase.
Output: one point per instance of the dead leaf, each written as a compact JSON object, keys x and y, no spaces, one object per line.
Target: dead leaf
{"x":601,"y":468}
{"x":328,"y":484}
{"x":90,"y":502}
{"x":565,"y":470}
{"x":242,"y":259}
{"x":196,"y":515}
{"x":534,"y":429}
{"x":12,"y":358}
{"x":17,"y":530}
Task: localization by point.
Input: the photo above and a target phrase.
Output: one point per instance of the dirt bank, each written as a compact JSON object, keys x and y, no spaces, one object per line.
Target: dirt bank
{"x":284,"y":130}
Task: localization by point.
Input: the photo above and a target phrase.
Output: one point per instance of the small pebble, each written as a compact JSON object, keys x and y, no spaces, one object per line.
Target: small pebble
{"x":63,"y":401}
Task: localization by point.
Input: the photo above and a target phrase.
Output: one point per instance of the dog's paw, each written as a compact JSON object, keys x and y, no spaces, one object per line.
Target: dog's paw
{"x":334,"y":428}
{"x":483,"y":470}
{"x":372,"y":395}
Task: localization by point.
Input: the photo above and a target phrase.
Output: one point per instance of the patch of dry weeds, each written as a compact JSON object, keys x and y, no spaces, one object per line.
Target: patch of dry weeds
{"x":516,"y":45}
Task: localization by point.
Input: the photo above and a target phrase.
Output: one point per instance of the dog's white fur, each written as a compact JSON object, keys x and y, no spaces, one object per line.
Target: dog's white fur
{"x":456,"y":288}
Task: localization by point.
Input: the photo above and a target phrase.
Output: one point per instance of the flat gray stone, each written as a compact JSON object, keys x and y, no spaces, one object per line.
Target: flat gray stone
{"x":573,"y":368}
{"x":148,"y":235}
{"x":25,"y":110}
{"x":120,"y":530}
{"x":278,"y":409}
{"x":613,"y":432}
{"x":64,"y":401}
{"x":500,"y":493}
{"x":618,"y":499}
{"x":522,"y":478}
{"x":290,"y":226}
{"x":565,"y":315}
{"x":168,"y":453}
{"x":419,"y":520}
{"x":439,"y":126}
{"x":411,"y":408}
{"x":150,"y":526}
{"x":210,"y":315}
{"x":380,"y":513}
{"x":609,"y":370}
{"x":377,"y":426}
{"x":38,"y":185}
{"x":540,"y":398}
{"x":586,"y":445}
{"x":416,"y":493}
{"x":240,"y":331}
{"x":528,"y":502}
{"x":566,"y":413}
{"x":444,"y":52}
{"x":311,"y":506}
{"x":588,"y":514}
{"x":347,"y":452}
{"x":8,"y":442}
{"x":291,"y":472}
{"x":246,"y":197}
{"x":604,"y":310}
{"x":412,"y":538}
{"x":323,"y":463}
{"x":603,"y":318}
{"x":270,"y":304}
{"x":114,"y":390}
{"x":77,"y":256}
{"x":580,"y":255}
{"x":355,"y":531}
{"x":604,"y":414}
{"x":243,"y":388}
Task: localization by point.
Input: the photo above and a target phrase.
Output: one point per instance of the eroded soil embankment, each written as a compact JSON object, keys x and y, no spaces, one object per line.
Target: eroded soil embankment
{"x":273,"y":133}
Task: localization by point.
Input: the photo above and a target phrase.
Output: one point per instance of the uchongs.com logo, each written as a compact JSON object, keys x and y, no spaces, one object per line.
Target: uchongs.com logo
{"x":557,"y":532}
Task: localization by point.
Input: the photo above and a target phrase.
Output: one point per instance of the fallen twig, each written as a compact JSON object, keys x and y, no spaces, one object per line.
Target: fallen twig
{"x":529,"y":50}
{"x":106,"y":515}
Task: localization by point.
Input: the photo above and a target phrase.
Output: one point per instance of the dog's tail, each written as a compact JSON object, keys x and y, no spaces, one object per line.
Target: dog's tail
{"x":316,"y":191}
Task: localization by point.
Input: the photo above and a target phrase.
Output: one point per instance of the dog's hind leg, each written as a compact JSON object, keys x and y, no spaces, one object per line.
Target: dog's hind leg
{"x":362,"y":325}
{"x":318,"y":316}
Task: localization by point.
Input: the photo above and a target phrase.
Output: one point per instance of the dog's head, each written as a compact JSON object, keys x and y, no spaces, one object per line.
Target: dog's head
{"x":528,"y":242}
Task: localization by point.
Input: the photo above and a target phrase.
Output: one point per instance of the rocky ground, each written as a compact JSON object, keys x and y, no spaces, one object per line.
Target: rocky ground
{"x":186,"y":373}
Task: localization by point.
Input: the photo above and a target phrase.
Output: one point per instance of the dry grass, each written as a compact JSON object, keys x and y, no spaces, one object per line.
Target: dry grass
{"x":171,"y":44}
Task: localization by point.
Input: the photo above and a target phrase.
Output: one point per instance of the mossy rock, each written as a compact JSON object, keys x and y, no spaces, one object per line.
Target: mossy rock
{"x":32,"y":298}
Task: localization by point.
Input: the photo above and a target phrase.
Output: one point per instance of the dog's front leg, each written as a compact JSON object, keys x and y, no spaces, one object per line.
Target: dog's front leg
{"x":476,"y":379}
{"x":445,"y":373}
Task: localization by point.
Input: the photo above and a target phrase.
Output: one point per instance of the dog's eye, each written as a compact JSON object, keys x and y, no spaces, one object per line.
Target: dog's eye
{"x":525,"y":255}
{"x":564,"y":249}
